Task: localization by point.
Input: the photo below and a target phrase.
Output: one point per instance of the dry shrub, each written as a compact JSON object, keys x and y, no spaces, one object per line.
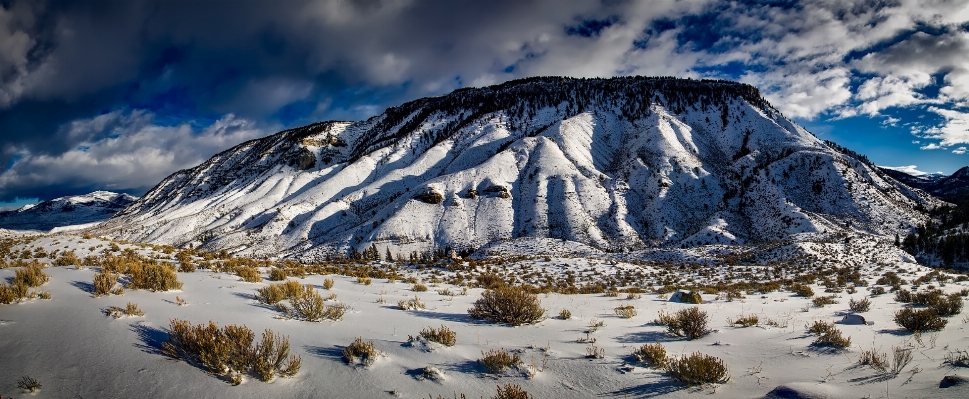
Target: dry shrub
{"x":131,"y":309}
{"x":819,"y":327}
{"x":950,"y":305}
{"x":512,"y":305}
{"x":31,"y":275}
{"x":511,"y":391}
{"x":919,"y":320}
{"x":103,"y":282}
{"x":67,"y":258}
{"x":873,"y":359}
{"x":230,"y":350}
{"x":29,"y":384}
{"x":747,"y":321}
{"x":820,"y":301}
{"x":366,"y":352}
{"x":565,"y":314}
{"x":248,"y":274}
{"x":828,"y":335}
{"x":277,"y":274}
{"x":444,"y":336}
{"x":801,"y":290}
{"x":653,"y":355}
{"x":271,"y":355}
{"x":328,"y":283}
{"x":697,"y":369}
{"x":10,"y":293}
{"x":44,"y":295}
{"x":411,"y":304}
{"x":496,"y":361}
{"x":626,"y":312}
{"x":270,"y":294}
{"x":690,"y":322}
{"x":418,"y":288}
{"x":859,"y":306}
{"x":900,"y":358}
{"x":153,"y":276}
{"x":310,"y":306}
{"x":6,"y":294}
{"x":669,"y":321}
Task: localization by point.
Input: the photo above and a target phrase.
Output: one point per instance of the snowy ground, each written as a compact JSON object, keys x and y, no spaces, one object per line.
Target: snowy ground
{"x":74,"y":350}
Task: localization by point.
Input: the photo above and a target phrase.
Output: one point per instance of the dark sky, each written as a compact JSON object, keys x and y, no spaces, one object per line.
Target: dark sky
{"x":116,"y":95}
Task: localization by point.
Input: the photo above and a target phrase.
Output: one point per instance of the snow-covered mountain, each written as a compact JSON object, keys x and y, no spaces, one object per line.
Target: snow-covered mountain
{"x":617,"y":164}
{"x":938,"y":185}
{"x":66,"y":211}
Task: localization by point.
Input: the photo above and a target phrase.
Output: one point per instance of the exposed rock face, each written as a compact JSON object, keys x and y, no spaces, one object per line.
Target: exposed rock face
{"x":617,"y":164}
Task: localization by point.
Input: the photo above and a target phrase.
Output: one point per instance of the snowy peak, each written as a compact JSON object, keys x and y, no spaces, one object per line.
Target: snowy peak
{"x":936,"y":184}
{"x":66,"y":211}
{"x":617,"y":164}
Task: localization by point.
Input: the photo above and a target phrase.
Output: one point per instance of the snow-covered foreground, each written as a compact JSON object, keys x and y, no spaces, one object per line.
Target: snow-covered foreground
{"x":74,"y":350}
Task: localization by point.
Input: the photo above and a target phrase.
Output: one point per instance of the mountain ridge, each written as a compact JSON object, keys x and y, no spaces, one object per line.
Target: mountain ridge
{"x":93,"y":207}
{"x":619,"y":164}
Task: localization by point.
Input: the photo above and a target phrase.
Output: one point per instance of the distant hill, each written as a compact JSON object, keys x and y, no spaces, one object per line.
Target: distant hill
{"x":66,"y":211}
{"x":940,"y":186}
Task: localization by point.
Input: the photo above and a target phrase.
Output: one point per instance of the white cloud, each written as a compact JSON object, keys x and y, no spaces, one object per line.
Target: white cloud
{"x":959,"y":151}
{"x":909,"y":169}
{"x":931,"y":146}
{"x":136,"y":154}
{"x":954,"y":130}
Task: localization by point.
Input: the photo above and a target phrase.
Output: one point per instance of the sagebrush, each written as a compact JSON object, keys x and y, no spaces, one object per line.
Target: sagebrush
{"x":512,"y":305}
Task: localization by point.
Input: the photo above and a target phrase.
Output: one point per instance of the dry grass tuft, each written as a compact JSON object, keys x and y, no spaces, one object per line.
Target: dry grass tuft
{"x":697,"y":369}
{"x":327,"y":283}
{"x":747,"y":321}
{"x":29,"y":384}
{"x":512,"y":305}
{"x":249,"y":274}
{"x":828,"y":335}
{"x":444,"y":336}
{"x":277,"y":274}
{"x":653,"y":355}
{"x":411,"y":304}
{"x":859,"y":306}
{"x":496,"y":361}
{"x":900,"y":358}
{"x":131,"y":309}
{"x":873,"y":359}
{"x":366,"y":352}
{"x":820,"y":301}
{"x":565,"y":314}
{"x":626,"y":312}
{"x":511,"y":391}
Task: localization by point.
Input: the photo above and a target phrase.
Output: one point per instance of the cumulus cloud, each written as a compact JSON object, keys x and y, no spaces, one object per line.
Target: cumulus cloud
{"x":959,"y":151}
{"x":122,"y":151}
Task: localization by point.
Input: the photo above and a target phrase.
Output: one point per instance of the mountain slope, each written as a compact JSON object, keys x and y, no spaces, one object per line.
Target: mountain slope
{"x":66,"y":211}
{"x":618,"y":164}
